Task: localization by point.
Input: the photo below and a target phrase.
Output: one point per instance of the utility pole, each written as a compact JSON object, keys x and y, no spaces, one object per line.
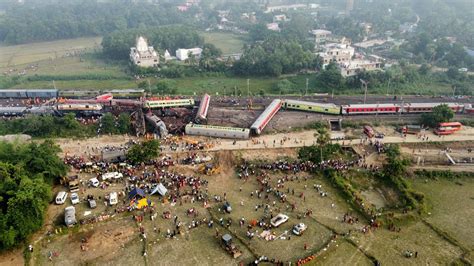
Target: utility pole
{"x":388,"y":87}
{"x":149,"y":86}
{"x":377,"y":113}
{"x":364,"y":85}
{"x":401,"y":110}
{"x":454,"y":90}
{"x":248,"y":87}
{"x":306,"y":92}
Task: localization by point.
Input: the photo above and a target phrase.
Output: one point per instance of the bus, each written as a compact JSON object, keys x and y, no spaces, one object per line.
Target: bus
{"x":447,"y":128}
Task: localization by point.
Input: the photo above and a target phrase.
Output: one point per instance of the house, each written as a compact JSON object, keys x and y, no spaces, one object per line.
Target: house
{"x":183,"y":54}
{"x":320,"y":36}
{"x":273,"y":26}
{"x":168,"y":56}
{"x":281,"y":8}
{"x":143,"y":55}
{"x":355,"y":67}
{"x":337,"y":52}
{"x":278,"y":18}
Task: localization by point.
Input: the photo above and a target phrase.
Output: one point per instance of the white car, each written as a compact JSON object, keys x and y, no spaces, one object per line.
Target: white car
{"x":74,"y":199}
{"x":94,"y":182}
{"x":279,"y":220}
{"x":299,"y":229}
{"x":113,"y":198}
{"x":61,"y":197}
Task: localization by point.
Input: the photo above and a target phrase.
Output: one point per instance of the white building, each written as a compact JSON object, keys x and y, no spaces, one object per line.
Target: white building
{"x":337,"y":52}
{"x":273,"y":26}
{"x":144,"y":55}
{"x":355,"y":67}
{"x":183,"y":54}
{"x":321,"y":36}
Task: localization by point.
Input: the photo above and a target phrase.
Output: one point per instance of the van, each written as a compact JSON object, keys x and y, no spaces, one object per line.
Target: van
{"x":61,"y":197}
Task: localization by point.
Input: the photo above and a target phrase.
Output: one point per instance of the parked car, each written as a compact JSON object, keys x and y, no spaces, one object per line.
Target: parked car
{"x":113,"y":198}
{"x":70,"y":216}
{"x":279,"y":220}
{"x":298,"y":229}
{"x":61,"y":197}
{"x":91,"y":200}
{"x":94,"y":182}
{"x":74,"y":199}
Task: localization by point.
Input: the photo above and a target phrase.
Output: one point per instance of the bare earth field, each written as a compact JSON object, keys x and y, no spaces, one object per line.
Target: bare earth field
{"x":442,"y":237}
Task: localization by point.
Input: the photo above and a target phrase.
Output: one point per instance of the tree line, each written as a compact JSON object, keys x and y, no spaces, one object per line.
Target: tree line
{"x":36,"y":21}
{"x":27,"y":172}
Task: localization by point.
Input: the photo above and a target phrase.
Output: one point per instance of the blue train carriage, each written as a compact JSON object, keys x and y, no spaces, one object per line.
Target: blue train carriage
{"x":217,"y":131}
{"x":152,"y":104}
{"x":324,"y":108}
{"x":42,"y":93}
{"x":15,"y":94}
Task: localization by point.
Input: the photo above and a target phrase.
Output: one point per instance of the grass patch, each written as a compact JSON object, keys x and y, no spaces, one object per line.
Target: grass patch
{"x":15,"y":55}
{"x":229,"y":43}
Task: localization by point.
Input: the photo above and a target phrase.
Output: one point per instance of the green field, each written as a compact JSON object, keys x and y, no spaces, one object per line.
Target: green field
{"x":16,"y":55}
{"x":452,"y":208}
{"x":229,"y":43}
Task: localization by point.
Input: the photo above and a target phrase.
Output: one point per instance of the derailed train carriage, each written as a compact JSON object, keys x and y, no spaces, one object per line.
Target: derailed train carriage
{"x":201,"y":115}
{"x":217,"y":131}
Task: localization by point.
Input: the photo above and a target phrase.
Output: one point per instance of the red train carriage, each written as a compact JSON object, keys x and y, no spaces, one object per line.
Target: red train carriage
{"x":414,"y":108}
{"x":357,"y":109}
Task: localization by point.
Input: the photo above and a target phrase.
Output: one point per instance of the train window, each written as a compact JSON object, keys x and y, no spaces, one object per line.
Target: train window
{"x":309,"y":107}
{"x":298,"y":106}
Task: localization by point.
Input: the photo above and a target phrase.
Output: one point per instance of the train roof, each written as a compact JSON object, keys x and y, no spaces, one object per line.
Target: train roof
{"x":217,"y":127}
{"x":328,"y":105}
{"x":12,"y":109}
{"x":381,"y":105}
{"x":126,"y":90}
{"x":266,"y":113}
{"x":431,"y":104}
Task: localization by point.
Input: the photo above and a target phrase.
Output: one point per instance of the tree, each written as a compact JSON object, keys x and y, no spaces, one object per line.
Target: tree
{"x":123,"y":123}
{"x":143,"y":152}
{"x":165,"y":86}
{"x":441,"y":113}
{"x":24,"y":194}
{"x":331,"y":77}
{"x":108,"y":124}
{"x":283,"y":86}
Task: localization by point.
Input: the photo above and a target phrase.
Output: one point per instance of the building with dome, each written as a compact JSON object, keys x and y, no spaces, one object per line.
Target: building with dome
{"x":143,"y":55}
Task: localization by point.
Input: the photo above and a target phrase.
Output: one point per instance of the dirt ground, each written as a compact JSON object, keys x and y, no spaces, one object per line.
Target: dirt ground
{"x":117,"y":241}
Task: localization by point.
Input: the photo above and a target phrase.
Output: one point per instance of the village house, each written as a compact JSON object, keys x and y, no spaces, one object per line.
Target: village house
{"x":337,"y":52}
{"x":355,"y":67}
{"x":183,"y":54}
{"x":143,"y":55}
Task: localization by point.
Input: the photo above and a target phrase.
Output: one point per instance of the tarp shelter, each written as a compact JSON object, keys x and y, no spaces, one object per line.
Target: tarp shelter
{"x":160,"y":189}
{"x":143,"y":203}
{"x":136,"y":193}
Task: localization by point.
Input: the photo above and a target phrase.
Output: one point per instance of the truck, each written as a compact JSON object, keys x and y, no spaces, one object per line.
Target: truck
{"x":70,"y":216}
{"x":230,"y":247}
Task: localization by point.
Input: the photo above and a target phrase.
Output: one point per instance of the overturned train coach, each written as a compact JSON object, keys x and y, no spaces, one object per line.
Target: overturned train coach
{"x":217,"y":131}
{"x":201,"y":115}
{"x":262,"y":121}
